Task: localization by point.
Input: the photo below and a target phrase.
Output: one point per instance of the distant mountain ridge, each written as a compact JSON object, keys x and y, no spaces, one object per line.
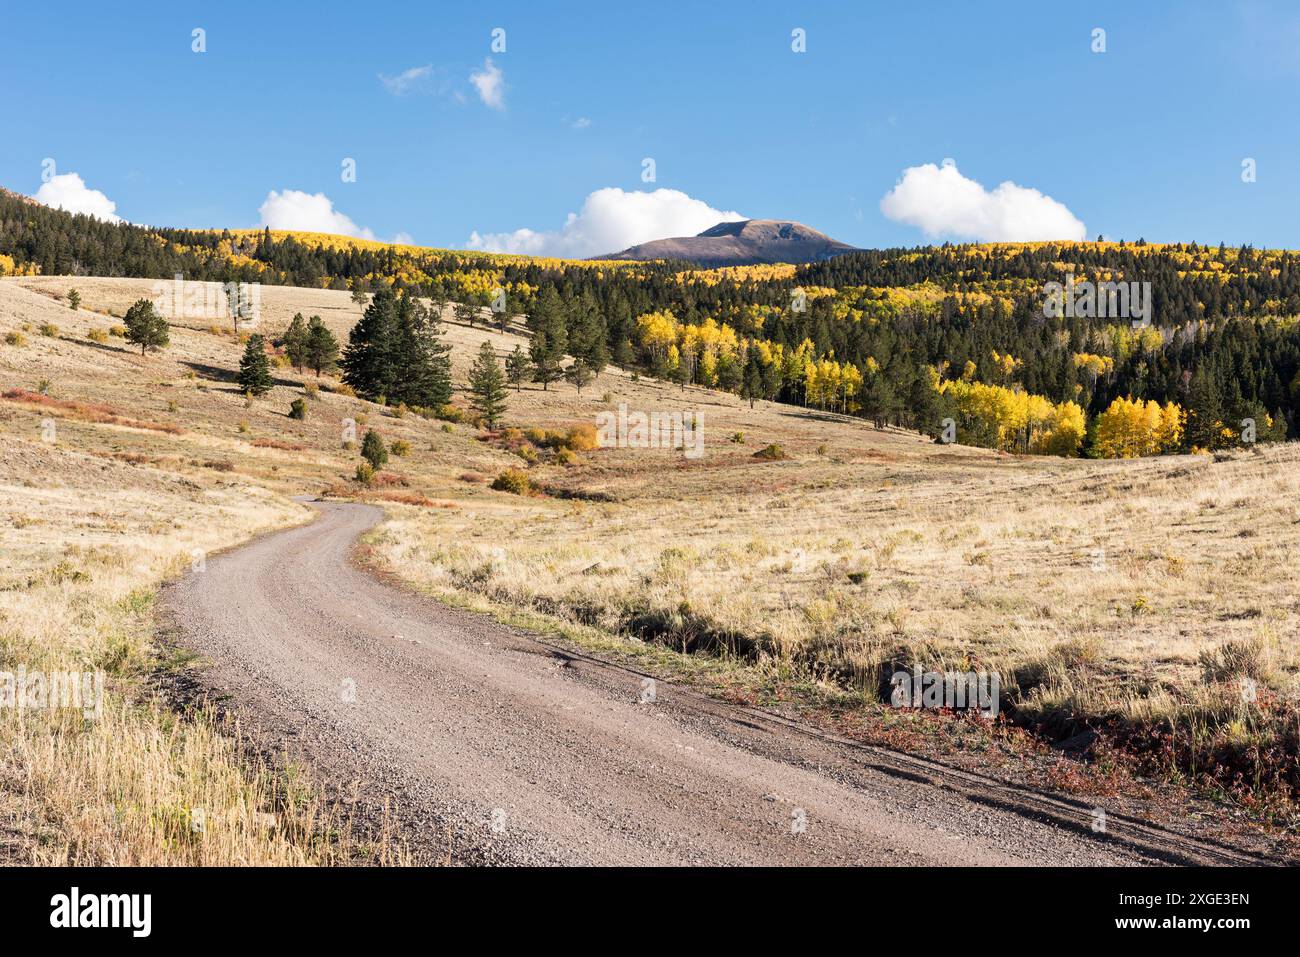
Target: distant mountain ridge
{"x":744,"y":243}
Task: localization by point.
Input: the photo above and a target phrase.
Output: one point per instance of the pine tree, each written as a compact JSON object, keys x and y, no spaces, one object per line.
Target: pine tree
{"x":1204,"y":412}
{"x":550,"y":338}
{"x":368,"y":360}
{"x":772,"y":380}
{"x":295,"y":341}
{"x":728,"y":373}
{"x":879,"y":400}
{"x":751,"y":383}
{"x":487,"y":386}
{"x":74,"y":299}
{"x":321,"y":351}
{"x":517,"y":367}
{"x":254,"y":368}
{"x":507,"y":316}
{"x":421,"y":361}
{"x":144,"y":327}
{"x":587,"y":334}
{"x":580,"y":374}
{"x":466,"y":312}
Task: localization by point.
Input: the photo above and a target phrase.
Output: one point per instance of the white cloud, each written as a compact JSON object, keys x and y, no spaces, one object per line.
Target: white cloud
{"x":609,"y":222}
{"x":581,"y":123}
{"x":490,"y":83}
{"x":408,"y":80}
{"x":68,"y":191}
{"x":942,"y":202}
{"x":308,"y":212}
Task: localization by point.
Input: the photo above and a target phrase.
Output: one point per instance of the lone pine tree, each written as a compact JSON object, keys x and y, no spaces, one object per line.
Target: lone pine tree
{"x":518,"y":366}
{"x":295,"y":341}
{"x":550,"y":338}
{"x":144,"y":327}
{"x":321,"y":349}
{"x":254,"y":367}
{"x":487,"y":386}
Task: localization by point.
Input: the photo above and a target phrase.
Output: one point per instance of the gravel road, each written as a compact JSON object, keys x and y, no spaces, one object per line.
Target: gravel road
{"x":488,"y":745}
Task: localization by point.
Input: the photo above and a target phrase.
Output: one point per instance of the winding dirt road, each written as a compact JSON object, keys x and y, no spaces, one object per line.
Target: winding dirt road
{"x":491,"y":746}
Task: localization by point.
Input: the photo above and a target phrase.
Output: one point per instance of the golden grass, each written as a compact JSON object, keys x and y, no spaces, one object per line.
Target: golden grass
{"x":1096,"y":588}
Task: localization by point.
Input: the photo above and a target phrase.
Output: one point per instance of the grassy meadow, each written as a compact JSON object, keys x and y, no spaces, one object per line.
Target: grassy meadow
{"x":1126,"y":595}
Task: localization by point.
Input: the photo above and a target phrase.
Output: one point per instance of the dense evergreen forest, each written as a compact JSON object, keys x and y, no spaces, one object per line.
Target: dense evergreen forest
{"x":954,"y":340}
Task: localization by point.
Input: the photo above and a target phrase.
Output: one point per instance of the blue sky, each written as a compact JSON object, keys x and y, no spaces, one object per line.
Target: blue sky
{"x":1147,"y":138}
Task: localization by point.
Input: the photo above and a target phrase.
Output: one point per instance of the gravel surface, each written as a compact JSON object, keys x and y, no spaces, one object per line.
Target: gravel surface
{"x":487,"y":745}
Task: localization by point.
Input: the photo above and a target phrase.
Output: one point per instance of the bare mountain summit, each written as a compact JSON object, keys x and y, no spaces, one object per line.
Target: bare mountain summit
{"x":743,"y":243}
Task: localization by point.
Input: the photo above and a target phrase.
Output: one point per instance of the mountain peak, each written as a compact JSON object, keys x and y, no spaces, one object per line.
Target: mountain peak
{"x":742,"y":242}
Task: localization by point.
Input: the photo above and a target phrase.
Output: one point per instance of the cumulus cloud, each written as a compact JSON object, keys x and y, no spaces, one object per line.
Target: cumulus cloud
{"x":414,"y":79}
{"x":68,"y":191}
{"x":611,"y":220}
{"x":943,"y":202}
{"x":490,"y":83}
{"x":308,"y":212}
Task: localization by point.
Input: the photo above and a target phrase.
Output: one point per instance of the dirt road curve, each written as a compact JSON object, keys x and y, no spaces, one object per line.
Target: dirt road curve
{"x":494,"y":747}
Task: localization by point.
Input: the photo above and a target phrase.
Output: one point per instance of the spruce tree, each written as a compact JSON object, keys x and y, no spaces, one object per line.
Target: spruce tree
{"x":254,"y":368}
{"x":751,"y":383}
{"x":295,"y":341}
{"x":587,"y":334}
{"x":321,"y":350}
{"x":1204,"y":412}
{"x":879,"y":400}
{"x":550,"y":338}
{"x":580,"y":374}
{"x":420,"y":360}
{"x":466,"y":312}
{"x":517,"y":367}
{"x":487,"y":386}
{"x":728,"y":373}
{"x":368,"y":360}
{"x":144,"y":327}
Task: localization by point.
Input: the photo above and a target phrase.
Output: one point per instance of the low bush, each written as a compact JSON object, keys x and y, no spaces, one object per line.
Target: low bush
{"x":514,"y":481}
{"x":582,"y":438}
{"x":771,"y":453}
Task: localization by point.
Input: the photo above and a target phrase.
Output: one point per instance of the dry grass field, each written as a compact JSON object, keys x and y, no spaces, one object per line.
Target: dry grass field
{"x":1137,"y":592}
